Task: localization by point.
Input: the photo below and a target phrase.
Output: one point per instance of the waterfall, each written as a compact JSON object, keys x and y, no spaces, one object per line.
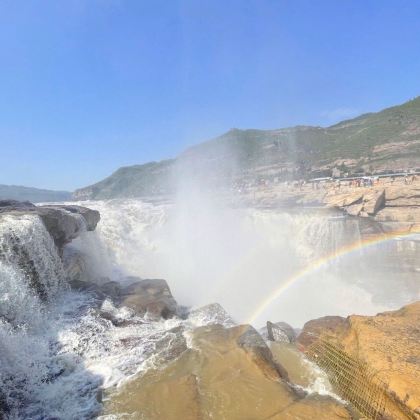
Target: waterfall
{"x":31,"y":272}
{"x":56,"y":348}
{"x":32,"y":315}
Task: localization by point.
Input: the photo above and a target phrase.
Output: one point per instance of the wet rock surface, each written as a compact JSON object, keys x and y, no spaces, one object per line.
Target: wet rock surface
{"x":224,"y":374}
{"x":325,"y":325}
{"x":280,"y":332}
{"x":90,"y":216}
{"x":254,"y":345}
{"x":213,"y":313}
{"x":14,"y":205}
{"x":58,"y":219}
{"x":389,"y":344}
{"x":152,"y":297}
{"x":62,"y":226}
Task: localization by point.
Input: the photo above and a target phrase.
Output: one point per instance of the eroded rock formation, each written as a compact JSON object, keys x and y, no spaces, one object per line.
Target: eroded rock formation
{"x":389,"y":343}
{"x":212,"y":313}
{"x":280,"y":332}
{"x":227,"y":373}
{"x":393,"y":206}
{"x":63,"y":222}
{"x":152,"y":297}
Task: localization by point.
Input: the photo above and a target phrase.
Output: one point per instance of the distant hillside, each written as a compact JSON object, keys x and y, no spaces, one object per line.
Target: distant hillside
{"x":132,"y":181}
{"x":34,"y":195}
{"x":374,"y":142}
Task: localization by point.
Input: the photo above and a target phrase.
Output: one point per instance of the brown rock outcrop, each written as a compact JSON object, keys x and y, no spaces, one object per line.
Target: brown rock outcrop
{"x":407,"y":214}
{"x":314,"y":328}
{"x":390,"y":201}
{"x":151,"y":296}
{"x":374,"y":201}
{"x":389,"y":343}
{"x":64,"y":223}
{"x":224,"y":376}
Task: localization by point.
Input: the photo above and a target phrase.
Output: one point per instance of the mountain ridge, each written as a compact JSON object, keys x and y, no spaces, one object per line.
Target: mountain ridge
{"x":372,"y":142}
{"x":35,"y":195}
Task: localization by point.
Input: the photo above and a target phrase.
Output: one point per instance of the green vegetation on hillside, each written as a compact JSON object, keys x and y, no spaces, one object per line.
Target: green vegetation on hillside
{"x":387,"y":140}
{"x":132,"y":181}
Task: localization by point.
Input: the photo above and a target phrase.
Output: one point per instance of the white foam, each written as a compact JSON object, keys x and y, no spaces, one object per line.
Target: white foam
{"x":57,"y":351}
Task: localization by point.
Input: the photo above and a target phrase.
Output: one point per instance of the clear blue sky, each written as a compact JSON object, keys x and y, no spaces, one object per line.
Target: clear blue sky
{"x":89,"y":86}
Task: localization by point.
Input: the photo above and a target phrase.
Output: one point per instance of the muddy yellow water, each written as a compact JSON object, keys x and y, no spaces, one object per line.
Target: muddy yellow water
{"x":216,"y":379}
{"x":301,"y":371}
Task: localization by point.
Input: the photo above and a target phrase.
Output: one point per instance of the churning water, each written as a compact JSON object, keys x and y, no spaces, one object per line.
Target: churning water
{"x":56,"y":351}
{"x":241,"y":257}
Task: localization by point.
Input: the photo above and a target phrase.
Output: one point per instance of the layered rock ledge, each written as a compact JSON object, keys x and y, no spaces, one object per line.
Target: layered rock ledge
{"x":389,"y":343}
{"x":63,"y":222}
{"x":395,"y":205}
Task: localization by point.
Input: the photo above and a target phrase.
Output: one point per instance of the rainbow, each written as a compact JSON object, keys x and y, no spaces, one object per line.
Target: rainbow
{"x":322,"y":262}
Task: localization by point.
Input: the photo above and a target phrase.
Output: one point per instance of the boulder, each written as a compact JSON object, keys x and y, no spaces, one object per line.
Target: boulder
{"x":59,"y":220}
{"x":14,"y":205}
{"x":223,"y":375}
{"x":63,"y":226}
{"x":314,"y":328}
{"x":280,"y":332}
{"x":152,"y":297}
{"x":112,"y":289}
{"x":389,"y":344}
{"x":213,"y":313}
{"x":90,"y":216}
{"x":354,"y":209}
{"x":374,"y":201}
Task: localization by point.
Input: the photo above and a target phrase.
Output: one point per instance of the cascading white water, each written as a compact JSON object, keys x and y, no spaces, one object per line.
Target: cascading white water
{"x":32,"y":282}
{"x":56,"y":351}
{"x":28,"y":258}
{"x":240,"y":257}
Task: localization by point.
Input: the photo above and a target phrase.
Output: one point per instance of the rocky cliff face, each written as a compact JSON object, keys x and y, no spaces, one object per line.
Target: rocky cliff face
{"x":389,"y":343}
{"x":63,"y":222}
{"x":393,"y":204}
{"x":396,"y":207}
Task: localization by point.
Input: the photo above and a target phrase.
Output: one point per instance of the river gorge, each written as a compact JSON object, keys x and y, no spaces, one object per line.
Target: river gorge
{"x":87,"y":331}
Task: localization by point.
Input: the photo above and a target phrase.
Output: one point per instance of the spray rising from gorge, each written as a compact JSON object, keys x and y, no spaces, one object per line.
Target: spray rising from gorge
{"x":71,"y":343}
{"x":239,"y":257}
{"x":80,"y":310}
